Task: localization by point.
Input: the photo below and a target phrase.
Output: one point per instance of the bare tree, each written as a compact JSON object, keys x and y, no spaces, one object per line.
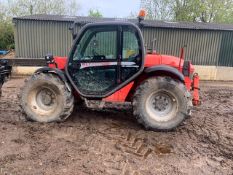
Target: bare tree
{"x":220,"y":11}
{"x":158,"y":9}
{"x":30,"y":7}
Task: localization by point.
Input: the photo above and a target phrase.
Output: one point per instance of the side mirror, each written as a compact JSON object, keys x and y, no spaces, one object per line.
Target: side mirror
{"x":95,"y":43}
{"x":154,"y":41}
{"x":72,"y":29}
{"x":152,"y":48}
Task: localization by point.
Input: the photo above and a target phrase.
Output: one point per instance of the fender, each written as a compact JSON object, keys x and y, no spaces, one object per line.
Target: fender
{"x":165,"y":68}
{"x":56,"y":71}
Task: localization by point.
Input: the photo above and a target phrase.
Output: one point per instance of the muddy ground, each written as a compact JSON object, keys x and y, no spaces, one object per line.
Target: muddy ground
{"x":111,"y":141}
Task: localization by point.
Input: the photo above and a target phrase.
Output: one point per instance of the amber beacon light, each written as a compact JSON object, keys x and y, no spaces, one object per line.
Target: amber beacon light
{"x":142,"y":14}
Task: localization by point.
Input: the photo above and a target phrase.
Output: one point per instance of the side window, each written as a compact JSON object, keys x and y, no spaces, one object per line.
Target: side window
{"x":97,"y":45}
{"x":131,"y":54}
{"x":130,"y":46}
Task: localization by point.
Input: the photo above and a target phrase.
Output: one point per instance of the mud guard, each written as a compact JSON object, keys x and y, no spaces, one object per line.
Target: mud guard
{"x":58,"y":72}
{"x":165,"y":68}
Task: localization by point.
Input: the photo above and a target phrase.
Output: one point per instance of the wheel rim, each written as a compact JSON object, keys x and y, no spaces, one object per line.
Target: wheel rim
{"x":161,"y":106}
{"x":46,"y":99}
{"x":43,"y":100}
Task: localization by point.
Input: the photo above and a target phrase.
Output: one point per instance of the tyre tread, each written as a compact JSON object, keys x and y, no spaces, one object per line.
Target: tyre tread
{"x":148,"y":83}
{"x":68,"y":96}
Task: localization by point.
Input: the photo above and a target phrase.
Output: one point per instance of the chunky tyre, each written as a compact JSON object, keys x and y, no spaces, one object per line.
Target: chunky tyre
{"x":45,"y":98}
{"x":0,"y":89}
{"x":161,"y":103}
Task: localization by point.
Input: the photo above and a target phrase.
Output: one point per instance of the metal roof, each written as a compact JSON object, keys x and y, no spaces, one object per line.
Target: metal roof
{"x":147,"y":23}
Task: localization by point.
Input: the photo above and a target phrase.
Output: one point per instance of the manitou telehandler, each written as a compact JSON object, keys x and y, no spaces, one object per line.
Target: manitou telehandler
{"x":108,"y":63}
{"x":5,"y":71}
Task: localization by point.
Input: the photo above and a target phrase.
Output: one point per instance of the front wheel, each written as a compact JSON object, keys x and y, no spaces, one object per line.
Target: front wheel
{"x":45,"y":98}
{"x":0,"y":88}
{"x":161,"y":103}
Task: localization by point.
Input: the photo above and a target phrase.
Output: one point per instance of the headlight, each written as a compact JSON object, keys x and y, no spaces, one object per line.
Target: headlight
{"x":49,"y":59}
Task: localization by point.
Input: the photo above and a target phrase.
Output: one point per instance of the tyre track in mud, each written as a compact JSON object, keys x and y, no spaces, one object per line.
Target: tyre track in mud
{"x":111,"y":142}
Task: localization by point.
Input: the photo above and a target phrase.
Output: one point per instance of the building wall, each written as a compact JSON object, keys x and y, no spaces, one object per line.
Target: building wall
{"x":34,"y":39}
{"x":226,"y":50}
{"x":202,"y":47}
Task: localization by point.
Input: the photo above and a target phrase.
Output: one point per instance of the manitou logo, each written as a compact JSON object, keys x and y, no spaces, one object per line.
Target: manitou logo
{"x":123,"y":64}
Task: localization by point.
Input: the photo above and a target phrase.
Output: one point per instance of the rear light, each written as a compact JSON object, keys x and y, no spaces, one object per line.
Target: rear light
{"x":195,"y":88}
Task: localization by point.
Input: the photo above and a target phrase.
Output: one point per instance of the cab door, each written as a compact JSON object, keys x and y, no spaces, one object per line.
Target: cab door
{"x":104,"y":58}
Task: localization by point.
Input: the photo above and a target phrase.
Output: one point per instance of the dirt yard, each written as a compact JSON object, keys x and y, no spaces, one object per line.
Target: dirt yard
{"x":111,"y":141}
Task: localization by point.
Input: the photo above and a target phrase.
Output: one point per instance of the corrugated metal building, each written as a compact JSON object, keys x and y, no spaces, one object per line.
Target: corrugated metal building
{"x":207,"y":44}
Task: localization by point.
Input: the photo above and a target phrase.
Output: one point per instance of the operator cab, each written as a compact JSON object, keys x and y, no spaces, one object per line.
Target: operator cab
{"x":105,"y":57}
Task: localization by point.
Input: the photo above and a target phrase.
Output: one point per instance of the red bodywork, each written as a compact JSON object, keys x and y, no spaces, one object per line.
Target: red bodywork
{"x":126,"y":93}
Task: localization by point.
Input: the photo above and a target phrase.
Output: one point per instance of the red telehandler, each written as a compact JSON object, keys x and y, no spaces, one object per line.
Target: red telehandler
{"x":108,"y":63}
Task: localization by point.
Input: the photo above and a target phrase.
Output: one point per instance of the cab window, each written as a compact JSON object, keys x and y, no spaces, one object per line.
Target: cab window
{"x":131,"y":54}
{"x":130,"y":48}
{"x":97,"y":45}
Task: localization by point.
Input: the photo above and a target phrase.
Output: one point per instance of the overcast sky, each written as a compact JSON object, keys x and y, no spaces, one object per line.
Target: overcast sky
{"x":110,"y":8}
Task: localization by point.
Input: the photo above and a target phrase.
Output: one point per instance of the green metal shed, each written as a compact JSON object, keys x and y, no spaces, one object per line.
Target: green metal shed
{"x":207,"y":44}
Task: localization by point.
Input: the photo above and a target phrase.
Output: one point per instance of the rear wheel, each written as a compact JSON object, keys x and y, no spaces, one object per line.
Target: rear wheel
{"x":45,"y":98}
{"x":161,"y":103}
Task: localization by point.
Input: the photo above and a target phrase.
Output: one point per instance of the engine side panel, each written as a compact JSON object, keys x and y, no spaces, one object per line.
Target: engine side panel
{"x":172,"y":61}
